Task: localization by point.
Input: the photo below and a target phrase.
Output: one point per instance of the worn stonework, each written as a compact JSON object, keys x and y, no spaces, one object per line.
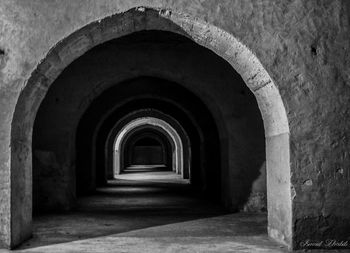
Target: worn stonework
{"x":303,"y":45}
{"x":257,"y":201}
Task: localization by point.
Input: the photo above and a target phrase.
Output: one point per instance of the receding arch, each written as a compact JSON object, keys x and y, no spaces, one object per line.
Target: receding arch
{"x":164,"y":155}
{"x":151,"y":121}
{"x":198,"y":123}
{"x":222,"y":43}
{"x":146,"y":113}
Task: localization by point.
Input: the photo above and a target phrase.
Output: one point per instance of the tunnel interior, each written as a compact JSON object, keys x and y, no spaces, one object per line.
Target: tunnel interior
{"x":146,"y":147}
{"x":170,"y":78}
{"x":148,"y":150}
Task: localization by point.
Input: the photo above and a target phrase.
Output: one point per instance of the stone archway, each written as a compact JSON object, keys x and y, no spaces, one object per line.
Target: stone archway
{"x":209,"y":36}
{"x":162,"y":125}
{"x":110,"y":159}
{"x":128,"y":149}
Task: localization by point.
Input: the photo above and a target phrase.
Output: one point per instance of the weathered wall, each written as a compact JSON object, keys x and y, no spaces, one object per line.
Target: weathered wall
{"x":304,"y":45}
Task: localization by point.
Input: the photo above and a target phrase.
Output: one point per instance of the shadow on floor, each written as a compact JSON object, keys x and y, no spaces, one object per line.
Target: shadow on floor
{"x":142,"y":209}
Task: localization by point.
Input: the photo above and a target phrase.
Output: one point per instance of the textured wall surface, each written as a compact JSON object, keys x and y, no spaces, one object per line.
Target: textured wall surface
{"x":304,"y":46}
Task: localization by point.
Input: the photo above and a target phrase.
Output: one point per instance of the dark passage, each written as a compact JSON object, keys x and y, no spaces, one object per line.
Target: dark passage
{"x":183,"y":179}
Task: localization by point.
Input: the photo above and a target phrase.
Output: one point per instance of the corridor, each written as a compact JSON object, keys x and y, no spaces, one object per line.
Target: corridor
{"x":174,"y":126}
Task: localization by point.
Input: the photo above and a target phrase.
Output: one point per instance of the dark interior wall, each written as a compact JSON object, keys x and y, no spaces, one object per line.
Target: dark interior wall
{"x":140,"y":150}
{"x":135,"y":152}
{"x":158,"y":54}
{"x":148,"y":155}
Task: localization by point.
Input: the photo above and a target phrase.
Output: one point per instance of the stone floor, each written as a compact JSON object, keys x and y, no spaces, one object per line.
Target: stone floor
{"x":156,"y":212}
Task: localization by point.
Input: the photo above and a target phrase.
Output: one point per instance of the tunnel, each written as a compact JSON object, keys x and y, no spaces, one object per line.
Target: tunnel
{"x":146,"y":110}
{"x":147,"y":148}
{"x":137,"y":75}
{"x":171,"y":126}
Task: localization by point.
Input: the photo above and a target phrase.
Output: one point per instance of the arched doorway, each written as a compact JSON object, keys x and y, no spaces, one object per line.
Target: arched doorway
{"x":146,"y":146}
{"x":183,"y":159}
{"x":174,"y":138}
{"x":223,"y":44}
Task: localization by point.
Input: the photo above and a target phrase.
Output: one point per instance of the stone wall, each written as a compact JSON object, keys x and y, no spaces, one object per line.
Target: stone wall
{"x":303,"y":45}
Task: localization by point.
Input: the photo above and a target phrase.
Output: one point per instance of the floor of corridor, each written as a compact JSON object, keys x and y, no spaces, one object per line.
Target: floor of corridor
{"x":149,"y":212}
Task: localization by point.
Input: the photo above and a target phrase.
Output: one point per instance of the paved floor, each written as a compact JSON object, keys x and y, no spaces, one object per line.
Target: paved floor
{"x":149,"y":213}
